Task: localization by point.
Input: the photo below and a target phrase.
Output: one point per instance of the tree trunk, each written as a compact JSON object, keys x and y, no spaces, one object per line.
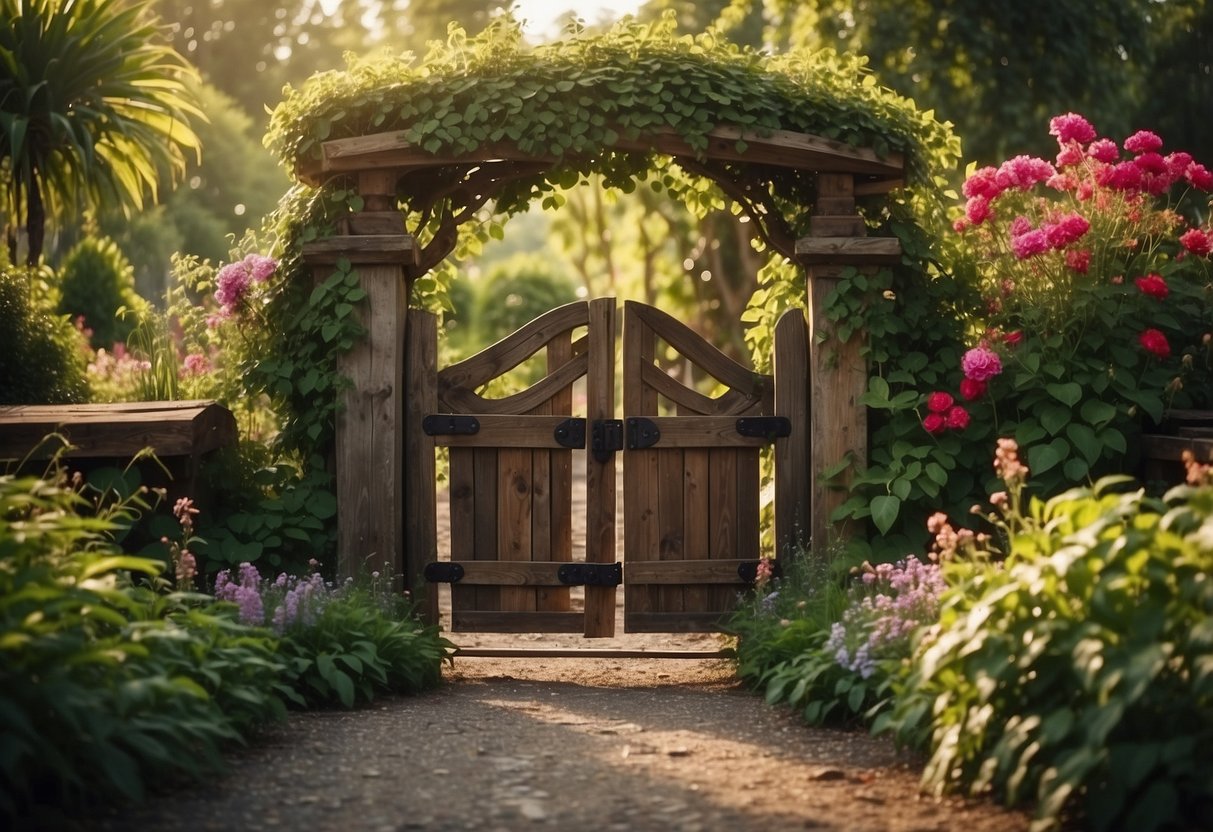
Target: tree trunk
{"x":35,"y":222}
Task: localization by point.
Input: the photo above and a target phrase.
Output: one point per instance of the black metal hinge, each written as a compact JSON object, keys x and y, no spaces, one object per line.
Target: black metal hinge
{"x":642,"y":433}
{"x":443,"y":572}
{"x":446,"y":424}
{"x":590,"y":574}
{"x":769,"y":428}
{"x":570,"y":433}
{"x":606,"y":437}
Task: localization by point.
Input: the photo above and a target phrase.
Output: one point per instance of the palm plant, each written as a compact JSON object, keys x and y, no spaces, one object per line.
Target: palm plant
{"x":94,"y":110}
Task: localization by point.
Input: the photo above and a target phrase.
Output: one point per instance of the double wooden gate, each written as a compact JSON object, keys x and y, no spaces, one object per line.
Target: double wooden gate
{"x":690,"y":472}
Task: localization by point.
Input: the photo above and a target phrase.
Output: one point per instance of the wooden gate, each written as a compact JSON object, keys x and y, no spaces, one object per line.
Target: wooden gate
{"x":690,"y":464}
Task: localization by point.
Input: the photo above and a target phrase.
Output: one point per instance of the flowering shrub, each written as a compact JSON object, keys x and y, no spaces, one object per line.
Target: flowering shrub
{"x":889,"y":603}
{"x":342,"y":643}
{"x":1087,"y":302}
{"x":1073,"y":667}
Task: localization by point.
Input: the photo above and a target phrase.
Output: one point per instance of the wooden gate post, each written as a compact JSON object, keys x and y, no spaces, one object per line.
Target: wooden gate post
{"x":369,"y":462}
{"x":838,"y":372}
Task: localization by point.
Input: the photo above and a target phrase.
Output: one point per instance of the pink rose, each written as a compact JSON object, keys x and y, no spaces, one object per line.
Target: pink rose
{"x":1030,"y":243}
{"x":983,"y":183}
{"x":981,"y":364}
{"x":1079,"y":261}
{"x":1197,"y":241}
{"x":1153,"y":285}
{"x":1071,"y":127}
{"x":1143,"y":141}
{"x":1155,"y":343}
{"x":957,"y":418}
{"x":971,"y":389}
{"x":1198,"y":176}
{"x":1104,"y":150}
{"x":977,"y":210}
{"x":939,"y":402}
{"x":934,"y":424}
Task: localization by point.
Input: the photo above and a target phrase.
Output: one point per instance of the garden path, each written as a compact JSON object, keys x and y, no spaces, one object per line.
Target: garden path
{"x":566,"y":744}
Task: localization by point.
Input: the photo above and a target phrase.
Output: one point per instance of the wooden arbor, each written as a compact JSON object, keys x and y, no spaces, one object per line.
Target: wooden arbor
{"x":370,"y":443}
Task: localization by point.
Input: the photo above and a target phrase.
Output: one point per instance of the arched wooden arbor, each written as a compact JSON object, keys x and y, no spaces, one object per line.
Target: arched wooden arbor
{"x":380,"y":517}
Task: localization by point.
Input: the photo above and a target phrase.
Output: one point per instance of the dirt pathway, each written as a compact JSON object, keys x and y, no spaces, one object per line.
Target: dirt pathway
{"x":566,"y":745}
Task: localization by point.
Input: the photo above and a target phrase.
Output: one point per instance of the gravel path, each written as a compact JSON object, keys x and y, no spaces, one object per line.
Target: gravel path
{"x":566,"y":744}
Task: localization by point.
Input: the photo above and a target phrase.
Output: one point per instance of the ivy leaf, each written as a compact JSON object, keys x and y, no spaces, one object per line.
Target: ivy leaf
{"x":1043,"y":458}
{"x":1068,"y":393}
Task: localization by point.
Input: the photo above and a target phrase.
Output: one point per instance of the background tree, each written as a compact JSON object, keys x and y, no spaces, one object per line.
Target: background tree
{"x":94,"y":110}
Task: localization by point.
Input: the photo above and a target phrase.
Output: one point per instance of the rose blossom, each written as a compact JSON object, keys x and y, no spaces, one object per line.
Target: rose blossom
{"x":972,"y":389}
{"x":1071,"y":127}
{"x":1198,"y":176}
{"x":1023,"y":172}
{"x":1104,"y":150}
{"x":1153,"y":285}
{"x":1143,"y":141}
{"x":981,"y":364}
{"x":939,"y":402}
{"x":934,"y":424}
{"x":1030,"y":243}
{"x":983,"y":183}
{"x":1155,"y":343}
{"x":1197,"y":241}
{"x":977,"y":210}
{"x":1079,"y":261}
{"x":957,"y":418}
{"x":1013,"y":338}
{"x":1066,"y":230}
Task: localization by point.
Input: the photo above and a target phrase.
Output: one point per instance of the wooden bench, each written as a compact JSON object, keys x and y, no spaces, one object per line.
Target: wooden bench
{"x":180,"y":433}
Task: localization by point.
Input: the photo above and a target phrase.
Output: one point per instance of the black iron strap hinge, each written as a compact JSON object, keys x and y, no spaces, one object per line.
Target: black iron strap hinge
{"x":590,"y":574}
{"x":570,"y":433}
{"x":606,"y":437}
{"x":448,"y":424}
{"x":642,"y":433}
{"x":769,"y":428}
{"x":443,"y":572}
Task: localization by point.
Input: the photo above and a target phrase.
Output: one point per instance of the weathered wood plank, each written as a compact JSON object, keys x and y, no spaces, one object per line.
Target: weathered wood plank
{"x":676,"y":622}
{"x":516,"y":622}
{"x":749,"y":483}
{"x":641,"y":534}
{"x":421,"y":499}
{"x":702,"y":432}
{"x":465,"y":524}
{"x":670,"y":520}
{"x":485,"y":520}
{"x":722,"y":501}
{"x":690,"y":570}
{"x":458,"y":399}
{"x":692,"y":402}
{"x":560,"y":481}
{"x":118,"y":430}
{"x":514,"y":492}
{"x":837,"y":226}
{"x":600,"y":475}
{"x":508,"y":573}
{"x":385,"y":249}
{"x":783,"y":148}
{"x":588,"y":653}
{"x":529,"y":431}
{"x":689,"y":344}
{"x":792,"y":453}
{"x":859,"y":251}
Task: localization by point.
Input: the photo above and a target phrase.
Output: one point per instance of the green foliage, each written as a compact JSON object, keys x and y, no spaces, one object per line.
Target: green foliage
{"x":96,"y":281}
{"x":267,"y":511}
{"x":93,"y":110}
{"x":41,"y":361}
{"x":362,"y":645}
{"x":1079,"y":673}
{"x":107,"y":686}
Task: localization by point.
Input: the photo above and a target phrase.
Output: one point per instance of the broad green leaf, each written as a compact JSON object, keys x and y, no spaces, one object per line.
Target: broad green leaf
{"x":1068,"y":393}
{"x":885,"y":509}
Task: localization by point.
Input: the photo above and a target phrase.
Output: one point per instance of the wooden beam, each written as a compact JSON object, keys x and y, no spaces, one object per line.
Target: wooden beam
{"x":388,"y":249}
{"x":858,"y":251}
{"x":586,"y":653}
{"x":782,"y":148}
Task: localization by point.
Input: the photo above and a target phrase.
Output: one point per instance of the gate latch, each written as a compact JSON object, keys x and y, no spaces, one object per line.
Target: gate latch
{"x":606,"y":437}
{"x":769,"y":428}
{"x":590,"y":574}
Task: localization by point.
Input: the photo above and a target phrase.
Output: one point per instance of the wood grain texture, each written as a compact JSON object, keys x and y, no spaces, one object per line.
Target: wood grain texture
{"x":600,"y":475}
{"x":856,"y":251}
{"x":420,"y":494}
{"x":686,"y":571}
{"x":526,"y":431}
{"x":514,"y":506}
{"x":792,"y":454}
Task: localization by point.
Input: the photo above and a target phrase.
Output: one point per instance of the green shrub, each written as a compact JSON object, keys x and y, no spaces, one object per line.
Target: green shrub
{"x":1077,"y":674}
{"x":107,"y":686}
{"x":342,"y":643}
{"x":95,"y":282}
{"x":41,"y":361}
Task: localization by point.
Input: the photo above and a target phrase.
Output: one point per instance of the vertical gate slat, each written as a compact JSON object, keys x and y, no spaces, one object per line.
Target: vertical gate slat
{"x":514,"y":516}
{"x":462,"y":487}
{"x":792,"y":454}
{"x":600,"y":476}
{"x":723,"y":507}
{"x":640,"y":471}
{"x":488,"y":598}
{"x":553,"y":470}
{"x":420,"y":524}
{"x":670,"y":518}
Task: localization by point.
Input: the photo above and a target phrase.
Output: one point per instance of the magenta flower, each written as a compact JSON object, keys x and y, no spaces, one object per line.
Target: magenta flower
{"x":1143,"y":141}
{"x":1153,"y":285}
{"x":957,"y":418}
{"x":260,"y":268}
{"x":983,"y":183}
{"x":1030,"y":243}
{"x":195,"y":364}
{"x":981,"y":364}
{"x":1155,"y":343}
{"x":977,"y":210}
{"x":1066,"y":230}
{"x":231,"y":286}
{"x":971,"y":389}
{"x":1197,"y":241}
{"x":1198,"y":176}
{"x":1104,"y":150}
{"x":1079,"y":261}
{"x":1023,"y":172}
{"x":1071,"y":127}
{"x":934,"y":423}
{"x":939,"y":402}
